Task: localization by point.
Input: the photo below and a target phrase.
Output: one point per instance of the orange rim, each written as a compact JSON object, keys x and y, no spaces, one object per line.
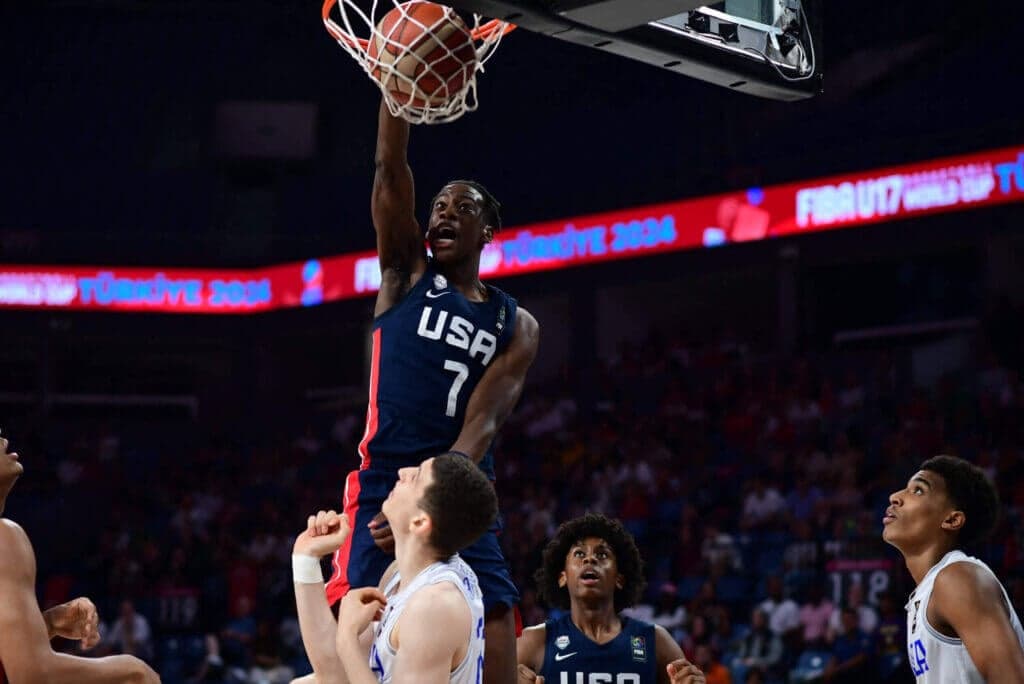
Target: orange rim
{"x":486,"y":31}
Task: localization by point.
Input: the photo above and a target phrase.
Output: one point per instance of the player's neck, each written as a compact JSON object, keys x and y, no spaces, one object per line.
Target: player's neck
{"x":599,"y":622}
{"x":465,"y":277}
{"x":412,"y":558}
{"x":920,"y":561}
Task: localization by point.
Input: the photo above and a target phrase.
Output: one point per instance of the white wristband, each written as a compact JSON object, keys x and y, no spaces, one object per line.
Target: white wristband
{"x":306,"y":570}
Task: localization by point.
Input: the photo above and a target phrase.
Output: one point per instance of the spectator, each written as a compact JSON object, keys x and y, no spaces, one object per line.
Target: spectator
{"x":762,"y":506}
{"x":714,"y":671}
{"x":814,"y":617}
{"x":267,"y":665}
{"x":801,"y":501}
{"x":867,"y":616}
{"x":668,"y":611}
{"x":850,"y":652}
{"x":719,"y":551}
{"x":760,"y":650}
{"x":890,"y":643}
{"x":131,"y":634}
{"x":782,"y":612}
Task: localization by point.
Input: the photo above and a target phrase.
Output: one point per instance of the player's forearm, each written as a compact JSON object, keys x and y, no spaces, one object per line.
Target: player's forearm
{"x":317,"y":626}
{"x":392,"y":139}
{"x":356,"y":661}
{"x":477,"y":434}
{"x":60,"y":668}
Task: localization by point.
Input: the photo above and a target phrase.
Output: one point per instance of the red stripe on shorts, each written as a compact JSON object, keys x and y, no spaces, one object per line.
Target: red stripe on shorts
{"x":371,"y":410}
{"x":338,"y":585}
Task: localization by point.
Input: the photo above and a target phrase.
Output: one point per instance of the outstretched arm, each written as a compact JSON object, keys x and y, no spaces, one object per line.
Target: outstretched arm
{"x":24,"y":643}
{"x":673,"y":667}
{"x":325,"y":532}
{"x":970,"y":600}
{"x":498,"y":391}
{"x":399,"y":239}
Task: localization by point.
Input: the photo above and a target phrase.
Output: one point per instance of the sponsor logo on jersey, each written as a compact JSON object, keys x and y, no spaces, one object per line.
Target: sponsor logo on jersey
{"x":559,"y":657}
{"x":639,"y":649}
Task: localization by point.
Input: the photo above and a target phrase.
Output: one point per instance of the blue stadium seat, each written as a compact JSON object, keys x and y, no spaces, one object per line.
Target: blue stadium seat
{"x":687,"y":587}
{"x":809,"y":666}
{"x":732,"y":589}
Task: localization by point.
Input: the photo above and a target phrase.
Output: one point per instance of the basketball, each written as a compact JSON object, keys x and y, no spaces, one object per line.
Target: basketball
{"x":422,"y":54}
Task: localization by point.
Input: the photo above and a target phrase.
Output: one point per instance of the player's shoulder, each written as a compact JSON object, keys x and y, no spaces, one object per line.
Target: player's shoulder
{"x":12,"y":532}
{"x":531,"y":646}
{"x":963,"y":576}
{"x":15,"y":548}
{"x":964,"y":588}
{"x":535,"y":633}
{"x":437,"y":611}
{"x":527,"y":327}
{"x":666,"y":648}
{"x":439,"y":600}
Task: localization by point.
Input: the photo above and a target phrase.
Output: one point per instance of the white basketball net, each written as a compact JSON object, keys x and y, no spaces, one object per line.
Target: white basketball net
{"x":414,"y":103}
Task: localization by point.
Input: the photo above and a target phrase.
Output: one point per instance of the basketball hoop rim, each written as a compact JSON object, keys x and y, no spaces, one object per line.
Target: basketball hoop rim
{"x":484,"y":32}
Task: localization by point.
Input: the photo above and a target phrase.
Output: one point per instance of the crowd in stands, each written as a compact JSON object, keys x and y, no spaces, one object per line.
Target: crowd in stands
{"x":754,"y":486}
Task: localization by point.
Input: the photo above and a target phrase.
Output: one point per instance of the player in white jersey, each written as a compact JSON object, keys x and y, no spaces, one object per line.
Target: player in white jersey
{"x":425,"y":621}
{"x":961,"y":626}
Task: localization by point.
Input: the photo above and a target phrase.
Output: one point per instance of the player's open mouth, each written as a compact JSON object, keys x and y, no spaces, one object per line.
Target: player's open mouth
{"x":443,"y":236}
{"x":589,"y":577}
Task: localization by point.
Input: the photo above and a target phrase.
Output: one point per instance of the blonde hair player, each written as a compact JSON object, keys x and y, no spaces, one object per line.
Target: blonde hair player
{"x":961,"y":626}
{"x":424,"y":623}
{"x":25,"y":631}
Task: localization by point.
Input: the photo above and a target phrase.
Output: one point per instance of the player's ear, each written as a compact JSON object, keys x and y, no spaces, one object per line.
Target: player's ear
{"x":620,"y":581}
{"x":421,"y":524}
{"x":562,"y":580}
{"x":955,"y":521}
{"x":488,"y":235}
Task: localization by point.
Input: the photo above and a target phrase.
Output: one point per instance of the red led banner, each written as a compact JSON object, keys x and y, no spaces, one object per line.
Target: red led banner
{"x":942,"y":185}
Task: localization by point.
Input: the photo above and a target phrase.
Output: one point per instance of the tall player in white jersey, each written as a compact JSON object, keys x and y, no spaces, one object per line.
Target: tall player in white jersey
{"x":425,"y":622}
{"x":961,"y":626}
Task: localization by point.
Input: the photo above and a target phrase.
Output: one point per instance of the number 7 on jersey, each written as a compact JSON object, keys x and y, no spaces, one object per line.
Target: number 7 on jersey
{"x":461,"y":371}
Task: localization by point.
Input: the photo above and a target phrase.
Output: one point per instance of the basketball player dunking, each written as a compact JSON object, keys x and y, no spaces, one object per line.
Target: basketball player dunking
{"x":25,"y":632}
{"x":450,"y":356}
{"x":961,"y":626}
{"x":592,"y":568}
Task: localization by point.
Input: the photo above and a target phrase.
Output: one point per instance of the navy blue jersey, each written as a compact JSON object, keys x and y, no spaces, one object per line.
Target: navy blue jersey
{"x":429,"y":352}
{"x":570,"y":657}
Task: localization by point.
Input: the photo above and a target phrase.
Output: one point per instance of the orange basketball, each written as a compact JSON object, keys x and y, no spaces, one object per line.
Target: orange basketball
{"x":422,"y":53}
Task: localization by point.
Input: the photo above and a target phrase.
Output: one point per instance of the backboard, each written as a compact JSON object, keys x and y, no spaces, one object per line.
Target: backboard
{"x":768,"y":48}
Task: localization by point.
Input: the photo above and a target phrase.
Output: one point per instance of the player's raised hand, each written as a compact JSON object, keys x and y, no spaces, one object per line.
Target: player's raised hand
{"x":76,"y":619}
{"x":682,"y":671}
{"x":324,"y":534}
{"x":380,"y":530}
{"x":524,"y":675}
{"x":358,"y":609}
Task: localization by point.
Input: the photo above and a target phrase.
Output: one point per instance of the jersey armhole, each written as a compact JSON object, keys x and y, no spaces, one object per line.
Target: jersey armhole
{"x":403,"y":299}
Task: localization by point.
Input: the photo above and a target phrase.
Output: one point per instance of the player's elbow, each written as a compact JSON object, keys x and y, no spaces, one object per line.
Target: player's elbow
{"x":44,"y":668}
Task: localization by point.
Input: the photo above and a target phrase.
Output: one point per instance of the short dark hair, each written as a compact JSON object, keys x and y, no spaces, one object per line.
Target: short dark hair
{"x":461,"y":503}
{"x":627,"y":557}
{"x":971,"y":492}
{"x":492,"y":207}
